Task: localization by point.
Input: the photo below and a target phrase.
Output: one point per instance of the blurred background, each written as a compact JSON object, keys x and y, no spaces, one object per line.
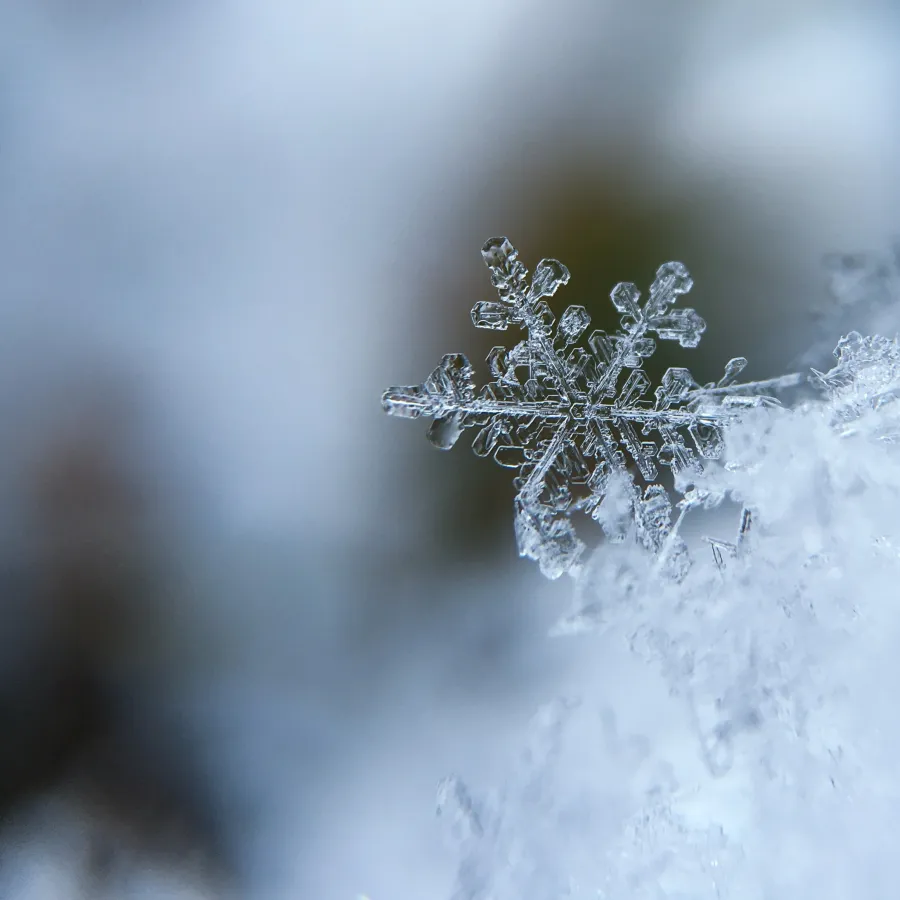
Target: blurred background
{"x":247,"y":621}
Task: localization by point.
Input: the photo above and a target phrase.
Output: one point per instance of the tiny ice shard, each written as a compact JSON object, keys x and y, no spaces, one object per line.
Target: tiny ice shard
{"x":568,"y":416}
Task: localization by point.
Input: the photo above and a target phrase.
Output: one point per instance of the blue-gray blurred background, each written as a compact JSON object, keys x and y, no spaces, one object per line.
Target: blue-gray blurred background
{"x":247,"y":621}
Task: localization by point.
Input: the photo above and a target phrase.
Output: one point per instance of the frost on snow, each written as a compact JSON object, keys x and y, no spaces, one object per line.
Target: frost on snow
{"x":574,"y":418}
{"x":865,"y":380}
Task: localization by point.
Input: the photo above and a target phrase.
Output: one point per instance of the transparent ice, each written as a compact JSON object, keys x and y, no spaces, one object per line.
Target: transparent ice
{"x":575,"y":417}
{"x":865,"y":380}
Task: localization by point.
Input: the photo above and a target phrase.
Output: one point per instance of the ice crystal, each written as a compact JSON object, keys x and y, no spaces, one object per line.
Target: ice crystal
{"x":755,"y":689}
{"x":762,"y":762}
{"x":575,"y":418}
{"x":866,"y":379}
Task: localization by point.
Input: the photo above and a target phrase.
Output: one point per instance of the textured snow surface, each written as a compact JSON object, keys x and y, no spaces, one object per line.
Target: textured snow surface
{"x":736,"y":734}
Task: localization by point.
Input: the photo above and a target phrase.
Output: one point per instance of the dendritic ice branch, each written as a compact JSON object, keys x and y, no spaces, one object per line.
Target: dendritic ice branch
{"x":574,"y":418}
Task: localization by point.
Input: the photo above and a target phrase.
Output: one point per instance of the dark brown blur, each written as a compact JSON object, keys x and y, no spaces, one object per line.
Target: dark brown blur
{"x":89,"y":593}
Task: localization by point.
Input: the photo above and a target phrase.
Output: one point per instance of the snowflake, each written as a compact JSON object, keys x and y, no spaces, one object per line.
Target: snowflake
{"x":565,"y":415}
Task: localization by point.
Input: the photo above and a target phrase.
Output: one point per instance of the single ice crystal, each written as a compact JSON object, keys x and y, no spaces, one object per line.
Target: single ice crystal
{"x":676,"y":384}
{"x":507,"y":273}
{"x":733,"y":368}
{"x":577,"y":429}
{"x":723,"y":550}
{"x":488,"y":314}
{"x":573,"y":323}
{"x":549,"y":275}
{"x":672,"y":279}
{"x":625,"y":298}
{"x":683,"y":325}
{"x":445,"y":430}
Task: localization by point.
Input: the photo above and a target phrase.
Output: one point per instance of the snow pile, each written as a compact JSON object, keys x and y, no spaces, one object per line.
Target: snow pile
{"x":759,"y":759}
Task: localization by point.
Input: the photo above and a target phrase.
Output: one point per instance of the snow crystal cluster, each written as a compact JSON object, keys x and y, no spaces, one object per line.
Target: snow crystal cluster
{"x":766,"y":763}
